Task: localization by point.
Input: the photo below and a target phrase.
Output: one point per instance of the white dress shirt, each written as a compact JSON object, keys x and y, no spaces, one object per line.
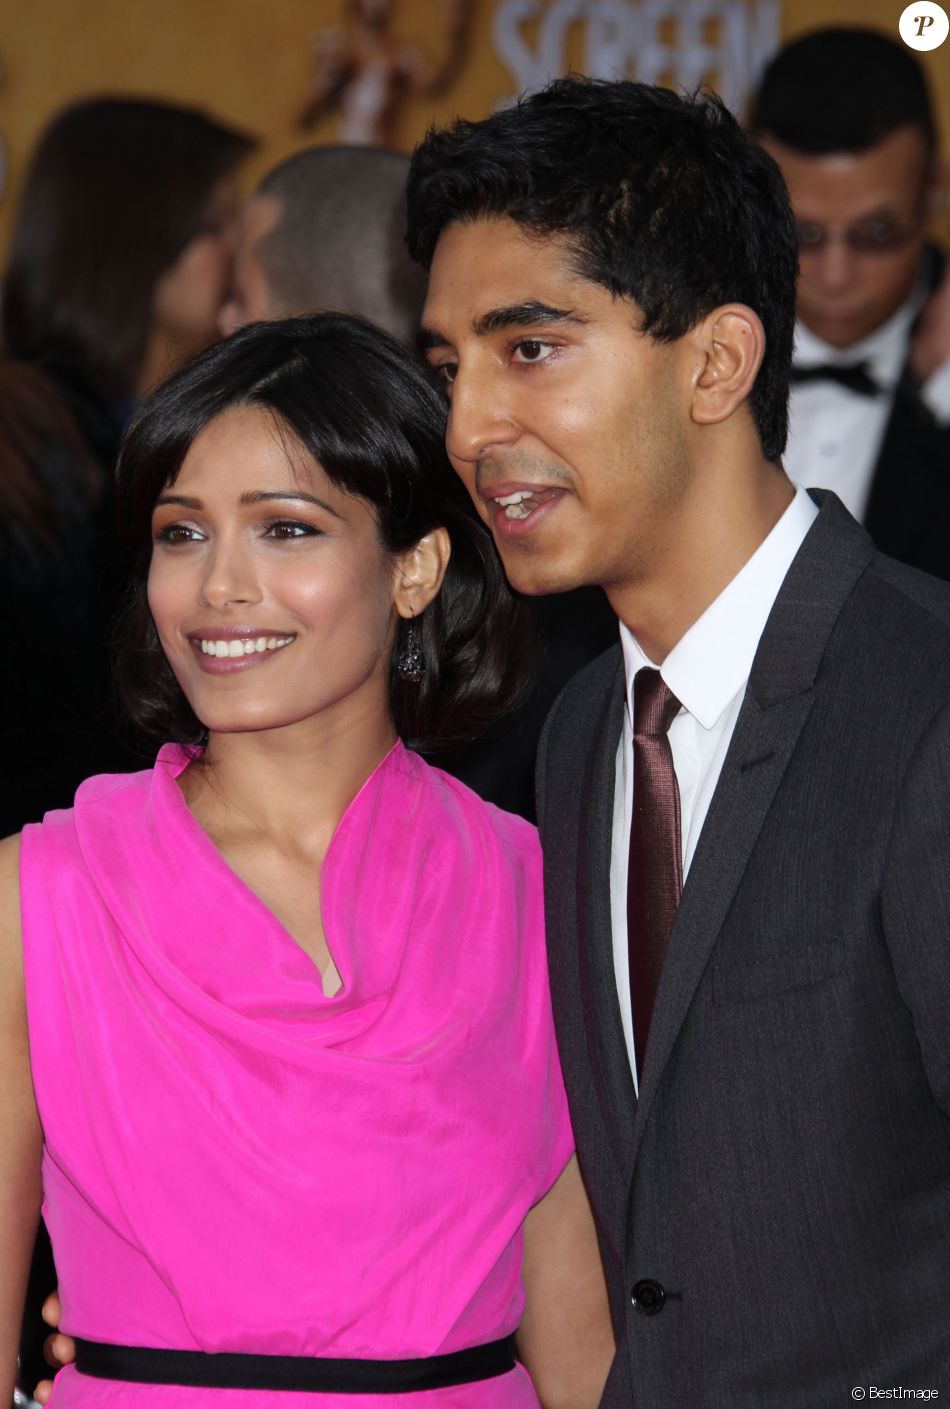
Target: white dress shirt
{"x":835,"y":434}
{"x":707,"y":670}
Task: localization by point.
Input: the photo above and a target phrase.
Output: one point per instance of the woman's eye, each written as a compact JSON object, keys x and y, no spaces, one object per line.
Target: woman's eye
{"x":285,"y":529}
{"x":177,"y":533}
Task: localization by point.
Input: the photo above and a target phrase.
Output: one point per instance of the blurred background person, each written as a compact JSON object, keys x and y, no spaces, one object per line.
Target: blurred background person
{"x":326,"y":230}
{"x":847,"y":115}
{"x":120,"y":255}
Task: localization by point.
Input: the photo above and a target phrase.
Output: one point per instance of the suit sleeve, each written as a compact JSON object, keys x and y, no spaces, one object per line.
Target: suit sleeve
{"x":915,"y":900}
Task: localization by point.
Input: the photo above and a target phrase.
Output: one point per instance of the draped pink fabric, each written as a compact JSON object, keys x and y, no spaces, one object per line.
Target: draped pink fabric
{"x":235,"y":1161}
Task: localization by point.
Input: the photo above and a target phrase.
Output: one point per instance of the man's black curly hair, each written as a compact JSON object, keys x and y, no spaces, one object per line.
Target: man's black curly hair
{"x":661,"y":198}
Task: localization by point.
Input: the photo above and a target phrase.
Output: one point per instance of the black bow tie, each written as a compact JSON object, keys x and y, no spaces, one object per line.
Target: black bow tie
{"x":854,"y":376}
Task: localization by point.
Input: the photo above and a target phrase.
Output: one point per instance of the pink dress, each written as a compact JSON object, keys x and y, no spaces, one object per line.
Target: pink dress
{"x":235,"y":1162}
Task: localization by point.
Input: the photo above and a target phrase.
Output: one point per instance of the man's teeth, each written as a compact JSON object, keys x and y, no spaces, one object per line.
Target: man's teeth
{"x":514,"y":504}
{"x":233,"y":649}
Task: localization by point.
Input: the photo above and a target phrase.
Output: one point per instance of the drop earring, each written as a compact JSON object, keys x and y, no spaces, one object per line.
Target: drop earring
{"x":410,"y":662}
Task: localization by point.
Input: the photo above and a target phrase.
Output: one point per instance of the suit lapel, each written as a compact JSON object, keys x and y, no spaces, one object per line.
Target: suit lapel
{"x":776,"y":706}
{"x":608,"y":1053}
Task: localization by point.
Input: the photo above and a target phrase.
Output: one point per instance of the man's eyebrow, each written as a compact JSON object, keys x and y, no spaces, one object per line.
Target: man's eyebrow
{"x":428,"y":338}
{"x":523,"y":315}
{"x":513,"y":315}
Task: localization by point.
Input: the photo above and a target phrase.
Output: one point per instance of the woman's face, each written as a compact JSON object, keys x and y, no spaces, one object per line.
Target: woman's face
{"x":273,"y":599}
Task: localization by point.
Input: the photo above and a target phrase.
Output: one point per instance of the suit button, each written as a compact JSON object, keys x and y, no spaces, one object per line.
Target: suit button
{"x":648,"y":1297}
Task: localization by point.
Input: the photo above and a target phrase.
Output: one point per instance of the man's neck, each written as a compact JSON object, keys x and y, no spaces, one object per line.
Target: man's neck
{"x":713,"y":544}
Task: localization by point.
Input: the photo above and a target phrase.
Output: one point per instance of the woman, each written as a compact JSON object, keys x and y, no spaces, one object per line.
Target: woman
{"x":120,"y":253}
{"x":286,"y":1007}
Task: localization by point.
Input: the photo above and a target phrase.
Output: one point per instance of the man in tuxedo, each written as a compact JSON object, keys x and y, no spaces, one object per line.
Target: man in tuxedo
{"x":745,"y":804}
{"x":847,"y":116}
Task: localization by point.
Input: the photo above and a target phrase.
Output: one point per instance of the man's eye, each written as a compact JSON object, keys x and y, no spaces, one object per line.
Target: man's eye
{"x":445,"y":374}
{"x":532,"y":350}
{"x":810,"y":236}
{"x":876,"y":234}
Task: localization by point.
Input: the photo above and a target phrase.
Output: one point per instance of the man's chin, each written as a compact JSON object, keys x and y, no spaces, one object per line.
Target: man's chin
{"x":539,"y":579}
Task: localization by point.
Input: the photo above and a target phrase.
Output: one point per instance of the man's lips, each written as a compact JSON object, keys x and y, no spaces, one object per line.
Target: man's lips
{"x":518,"y":509}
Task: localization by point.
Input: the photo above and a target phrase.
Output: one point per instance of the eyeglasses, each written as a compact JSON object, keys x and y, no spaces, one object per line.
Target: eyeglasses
{"x":876,"y":235}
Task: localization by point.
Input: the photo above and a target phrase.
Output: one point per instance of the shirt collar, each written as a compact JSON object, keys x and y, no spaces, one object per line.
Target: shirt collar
{"x":711,"y":663}
{"x":884,"y":351}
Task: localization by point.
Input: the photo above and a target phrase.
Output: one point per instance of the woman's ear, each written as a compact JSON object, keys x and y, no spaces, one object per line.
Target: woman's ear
{"x":418,"y":573}
{"x":728,"y":347}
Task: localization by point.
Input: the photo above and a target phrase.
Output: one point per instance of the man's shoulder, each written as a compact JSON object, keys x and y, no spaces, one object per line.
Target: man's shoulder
{"x":904,"y":598}
{"x":887,"y":659}
{"x":581,"y":701}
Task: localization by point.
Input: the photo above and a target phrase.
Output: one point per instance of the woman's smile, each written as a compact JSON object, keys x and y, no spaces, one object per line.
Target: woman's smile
{"x":221,"y":655}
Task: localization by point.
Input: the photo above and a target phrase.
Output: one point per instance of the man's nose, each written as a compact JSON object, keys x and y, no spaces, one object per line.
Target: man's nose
{"x":480,"y":416}
{"x":230,"y":579}
{"x":832,"y":267}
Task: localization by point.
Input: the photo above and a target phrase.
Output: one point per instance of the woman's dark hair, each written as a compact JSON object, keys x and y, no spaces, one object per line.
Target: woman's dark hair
{"x":659,"y":197}
{"x":116,"y":188}
{"x":363,"y":408}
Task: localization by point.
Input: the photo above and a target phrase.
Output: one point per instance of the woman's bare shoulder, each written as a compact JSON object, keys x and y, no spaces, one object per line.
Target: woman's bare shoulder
{"x":10,"y":902}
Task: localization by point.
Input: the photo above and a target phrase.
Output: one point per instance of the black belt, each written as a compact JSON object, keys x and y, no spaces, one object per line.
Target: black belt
{"x":232,"y":1370}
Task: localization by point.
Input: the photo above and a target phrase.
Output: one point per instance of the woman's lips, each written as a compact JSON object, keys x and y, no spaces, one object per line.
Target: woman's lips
{"x":223,"y":655}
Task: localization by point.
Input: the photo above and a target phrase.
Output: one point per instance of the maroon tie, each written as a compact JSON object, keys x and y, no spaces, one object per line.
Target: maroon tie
{"x":655,"y":875}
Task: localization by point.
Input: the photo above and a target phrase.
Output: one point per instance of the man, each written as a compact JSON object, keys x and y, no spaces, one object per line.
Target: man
{"x":760,"y":1083}
{"x":847,"y":116}
{"x":325,"y":229}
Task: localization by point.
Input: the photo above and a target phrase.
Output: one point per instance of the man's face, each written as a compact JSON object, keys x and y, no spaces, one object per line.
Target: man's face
{"x":849,"y":288}
{"x":250,"y":297}
{"x":567,"y":425}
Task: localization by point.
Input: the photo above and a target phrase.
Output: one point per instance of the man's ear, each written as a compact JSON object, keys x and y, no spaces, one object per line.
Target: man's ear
{"x":418,"y":573}
{"x":727,"y":349}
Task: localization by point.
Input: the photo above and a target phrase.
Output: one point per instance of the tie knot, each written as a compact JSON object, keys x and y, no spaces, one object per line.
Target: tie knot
{"x":654,"y":704}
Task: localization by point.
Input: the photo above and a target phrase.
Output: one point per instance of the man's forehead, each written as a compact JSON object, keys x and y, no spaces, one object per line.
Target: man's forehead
{"x":894,"y":170}
{"x":483,"y":266}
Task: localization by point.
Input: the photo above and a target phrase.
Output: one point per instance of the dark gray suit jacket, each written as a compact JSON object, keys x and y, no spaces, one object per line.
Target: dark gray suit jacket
{"x":784,"y":1179}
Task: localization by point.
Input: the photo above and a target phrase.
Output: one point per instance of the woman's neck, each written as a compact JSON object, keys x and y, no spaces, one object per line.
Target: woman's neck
{"x":290,"y":786}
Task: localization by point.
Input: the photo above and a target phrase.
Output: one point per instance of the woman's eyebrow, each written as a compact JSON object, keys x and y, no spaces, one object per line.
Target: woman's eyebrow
{"x":254,"y":496}
{"x":261,"y":496}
